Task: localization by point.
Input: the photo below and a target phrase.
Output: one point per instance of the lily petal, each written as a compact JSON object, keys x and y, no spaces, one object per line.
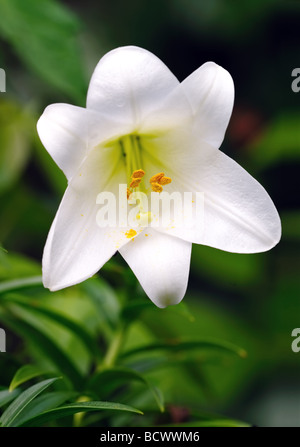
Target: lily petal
{"x":238,"y":214}
{"x":210,"y":90}
{"x":161,"y":263}
{"x":77,"y":247}
{"x":129,"y":83}
{"x":69,"y":132}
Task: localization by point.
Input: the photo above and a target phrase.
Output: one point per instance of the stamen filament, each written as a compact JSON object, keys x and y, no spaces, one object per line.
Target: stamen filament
{"x":131,"y":150}
{"x":135,"y":141}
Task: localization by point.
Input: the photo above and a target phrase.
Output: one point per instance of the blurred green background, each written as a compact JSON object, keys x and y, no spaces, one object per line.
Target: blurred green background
{"x":49,"y":49}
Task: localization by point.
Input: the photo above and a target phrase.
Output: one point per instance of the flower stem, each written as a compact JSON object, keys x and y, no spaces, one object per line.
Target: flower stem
{"x":78,"y":417}
{"x":113,"y":349}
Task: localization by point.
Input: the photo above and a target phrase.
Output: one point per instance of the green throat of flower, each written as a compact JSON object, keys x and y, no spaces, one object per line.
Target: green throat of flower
{"x":131,"y":149}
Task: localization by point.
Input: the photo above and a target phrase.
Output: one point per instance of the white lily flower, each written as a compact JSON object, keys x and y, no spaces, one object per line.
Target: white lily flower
{"x":140,"y":122}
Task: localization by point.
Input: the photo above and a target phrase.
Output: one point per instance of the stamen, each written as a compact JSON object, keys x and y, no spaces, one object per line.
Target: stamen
{"x":128,"y":193}
{"x":159,"y":180}
{"x":156,"y":187}
{"x":139,"y":173}
{"x":164,"y":181}
{"x":135,"y":182}
{"x":131,"y":233}
{"x":156,"y":178}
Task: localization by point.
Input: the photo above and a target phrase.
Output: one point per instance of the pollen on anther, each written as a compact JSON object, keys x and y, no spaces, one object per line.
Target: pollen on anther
{"x":156,"y":178}
{"x":139,"y":173}
{"x":135,"y":182}
{"x":165,"y":181}
{"x":128,"y":193}
{"x":156,"y":187}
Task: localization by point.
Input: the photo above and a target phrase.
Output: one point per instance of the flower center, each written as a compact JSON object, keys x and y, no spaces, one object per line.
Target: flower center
{"x":131,"y":149}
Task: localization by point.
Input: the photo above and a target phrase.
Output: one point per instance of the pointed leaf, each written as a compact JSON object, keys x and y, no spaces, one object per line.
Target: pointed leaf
{"x":42,"y":342}
{"x":212,"y":423}
{"x":50,"y":49}
{"x":177,"y":345}
{"x":109,"y":379}
{"x":45,"y":402}
{"x":79,"y":331}
{"x":7,"y":396}
{"x":74,"y":408}
{"x":19,"y":284}
{"x":18,"y":406}
{"x":24,"y":374}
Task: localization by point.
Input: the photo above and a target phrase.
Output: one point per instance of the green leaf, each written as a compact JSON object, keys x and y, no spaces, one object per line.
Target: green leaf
{"x":70,"y":409}
{"x":279,"y":143}
{"x":13,"y":265}
{"x":212,"y":423}
{"x":177,"y":346}
{"x":7,"y":396}
{"x":43,"y":343}
{"x":290,"y":225}
{"x":18,"y":406}
{"x":183,"y":310}
{"x":45,"y":402}
{"x":20,"y":284}
{"x":50,"y":171}
{"x":134,"y":308}
{"x":231,"y":270}
{"x":79,"y":331}
{"x":104,"y":299}
{"x":43,"y":33}
{"x":24,"y":374}
{"x":108,"y":379}
{"x":15,"y":142}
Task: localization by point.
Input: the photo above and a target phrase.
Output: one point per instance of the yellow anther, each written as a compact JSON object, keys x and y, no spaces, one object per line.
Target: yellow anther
{"x":164,"y":181}
{"x":131,"y":233}
{"x":128,"y":193}
{"x":135,"y":182}
{"x":156,"y":178}
{"x":159,"y":180}
{"x":156,"y":187}
{"x":139,"y":173}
